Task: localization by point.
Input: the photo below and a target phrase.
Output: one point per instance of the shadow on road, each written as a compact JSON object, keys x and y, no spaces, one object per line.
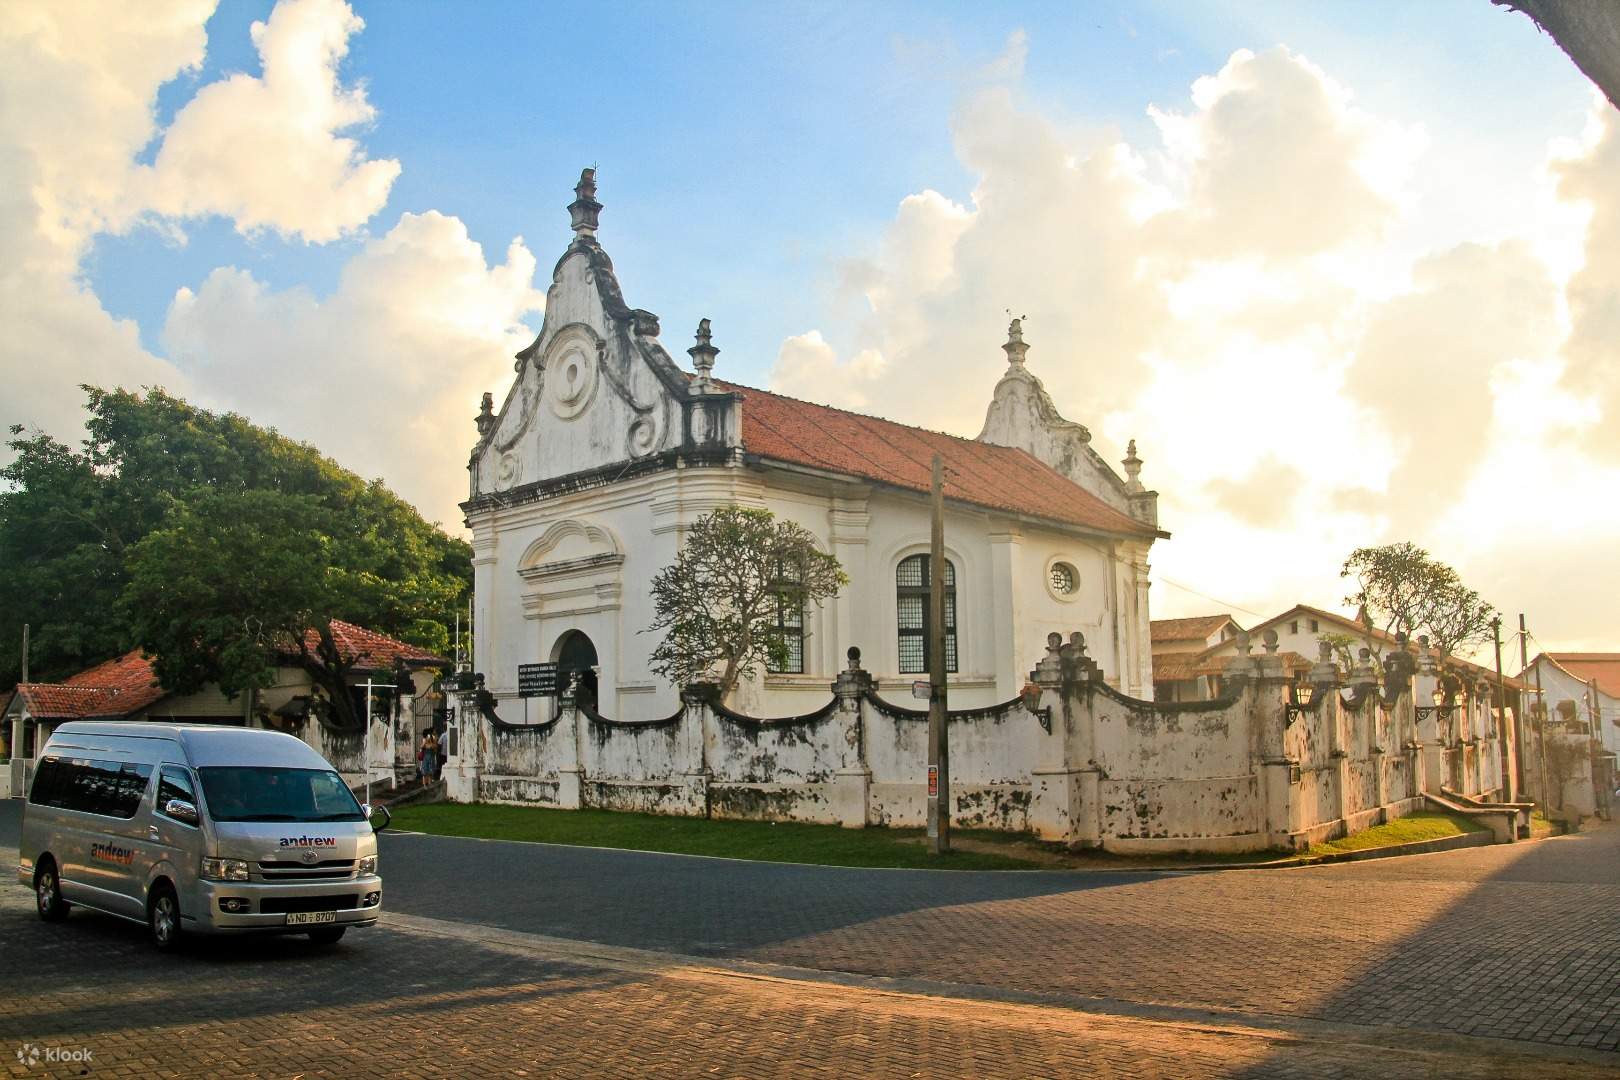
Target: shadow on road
{"x":1530,"y":952}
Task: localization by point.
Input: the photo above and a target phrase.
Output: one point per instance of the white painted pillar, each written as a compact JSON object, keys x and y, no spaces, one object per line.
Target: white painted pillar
{"x":1014,"y":654}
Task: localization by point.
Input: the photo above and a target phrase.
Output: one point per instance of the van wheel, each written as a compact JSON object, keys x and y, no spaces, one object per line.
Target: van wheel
{"x":163,"y":918}
{"x":327,"y":935}
{"x":48,"y":892}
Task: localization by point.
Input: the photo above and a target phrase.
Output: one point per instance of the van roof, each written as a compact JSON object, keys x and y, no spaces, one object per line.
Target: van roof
{"x":209,"y":744}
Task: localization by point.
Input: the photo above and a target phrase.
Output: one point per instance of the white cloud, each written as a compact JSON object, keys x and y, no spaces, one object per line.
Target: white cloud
{"x":807,"y":367}
{"x":77,"y":83}
{"x":266,"y":152}
{"x":419,"y":319}
{"x":1305,"y":368}
{"x":78,"y":89}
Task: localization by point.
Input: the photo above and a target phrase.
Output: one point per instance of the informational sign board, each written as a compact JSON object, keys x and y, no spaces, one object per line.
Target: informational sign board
{"x":922,"y":688}
{"x":933,"y":781}
{"x":537,"y":680}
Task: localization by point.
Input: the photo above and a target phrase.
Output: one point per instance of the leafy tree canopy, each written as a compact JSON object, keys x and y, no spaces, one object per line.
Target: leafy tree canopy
{"x":201,"y":537}
{"x":718,"y":603}
{"x":1404,"y":589}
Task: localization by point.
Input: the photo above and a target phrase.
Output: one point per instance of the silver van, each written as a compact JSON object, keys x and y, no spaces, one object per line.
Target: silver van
{"x":198,"y":828}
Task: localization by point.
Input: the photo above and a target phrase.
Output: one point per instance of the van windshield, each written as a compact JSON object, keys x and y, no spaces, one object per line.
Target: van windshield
{"x":266,"y":794}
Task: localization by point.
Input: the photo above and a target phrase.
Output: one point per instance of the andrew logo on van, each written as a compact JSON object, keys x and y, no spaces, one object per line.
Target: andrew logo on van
{"x":309,"y":841}
{"x":112,"y":853}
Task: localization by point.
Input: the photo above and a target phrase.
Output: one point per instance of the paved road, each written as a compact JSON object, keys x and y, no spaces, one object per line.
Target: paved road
{"x":1332,"y":970}
{"x":422,"y":998}
{"x":1520,"y":941}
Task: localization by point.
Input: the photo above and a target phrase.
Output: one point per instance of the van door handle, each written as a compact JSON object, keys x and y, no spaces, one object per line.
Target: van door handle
{"x":152,"y":833}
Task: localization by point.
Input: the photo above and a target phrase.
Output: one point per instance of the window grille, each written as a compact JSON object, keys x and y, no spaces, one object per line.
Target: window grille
{"x":788,"y":622}
{"x":911,"y":606}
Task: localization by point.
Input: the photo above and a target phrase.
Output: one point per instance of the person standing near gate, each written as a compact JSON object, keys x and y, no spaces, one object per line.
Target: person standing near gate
{"x":428,"y":758}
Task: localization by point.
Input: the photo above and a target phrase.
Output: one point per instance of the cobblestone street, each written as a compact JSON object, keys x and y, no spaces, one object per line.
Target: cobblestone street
{"x":1414,"y":967}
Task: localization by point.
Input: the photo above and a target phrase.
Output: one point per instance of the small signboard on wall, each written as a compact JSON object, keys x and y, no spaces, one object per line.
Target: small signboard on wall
{"x":537,"y":680}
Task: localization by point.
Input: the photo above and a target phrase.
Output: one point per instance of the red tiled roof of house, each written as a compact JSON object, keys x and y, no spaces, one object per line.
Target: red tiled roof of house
{"x":112,"y":689}
{"x":1602,"y":666}
{"x":997,"y":477}
{"x":1351,"y":626}
{"x":1196,"y":628}
{"x":1180,"y":667}
{"x":371,"y":651}
{"x":122,"y":686}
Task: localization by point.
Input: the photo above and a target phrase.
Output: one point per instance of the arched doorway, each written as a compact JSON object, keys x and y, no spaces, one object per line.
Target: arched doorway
{"x":577,"y":656}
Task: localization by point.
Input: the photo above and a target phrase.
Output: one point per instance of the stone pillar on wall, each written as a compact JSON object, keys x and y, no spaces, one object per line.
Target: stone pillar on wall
{"x":1055,"y":805}
{"x":1364,"y":687}
{"x":697,"y":718}
{"x":1325,"y":701}
{"x":1430,"y":729}
{"x":852,"y":783}
{"x":1268,"y":720}
{"x":571,"y":773}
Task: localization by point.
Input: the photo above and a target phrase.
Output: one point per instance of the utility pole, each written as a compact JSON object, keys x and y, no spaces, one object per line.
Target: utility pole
{"x":25,"y":653}
{"x":1518,"y":717}
{"x":1501,"y":702}
{"x":939,"y":753}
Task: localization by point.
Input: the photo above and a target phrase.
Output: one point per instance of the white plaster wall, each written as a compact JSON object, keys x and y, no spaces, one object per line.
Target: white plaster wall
{"x":1005,"y":607}
{"x":1558,"y":685}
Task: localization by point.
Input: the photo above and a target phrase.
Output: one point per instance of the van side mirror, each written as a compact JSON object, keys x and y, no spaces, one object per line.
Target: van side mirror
{"x":371,"y":813}
{"x":181,"y":810}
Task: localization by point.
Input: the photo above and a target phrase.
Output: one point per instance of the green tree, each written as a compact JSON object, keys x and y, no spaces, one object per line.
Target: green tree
{"x":1404,"y":589}
{"x":70,"y":520}
{"x":239,"y":582}
{"x":717,"y":604}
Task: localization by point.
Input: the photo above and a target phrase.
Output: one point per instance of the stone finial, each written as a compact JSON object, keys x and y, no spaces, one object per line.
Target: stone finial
{"x":1244,"y":646}
{"x":1324,"y":651}
{"x":703,"y":354}
{"x":584,"y":210}
{"x":486,"y":415}
{"x":854,"y":655}
{"x":1133,"y":468}
{"x":1270,"y":638}
{"x":1015,"y":347}
{"x":1049,"y":670}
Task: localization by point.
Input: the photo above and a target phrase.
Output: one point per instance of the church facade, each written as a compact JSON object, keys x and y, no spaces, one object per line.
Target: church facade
{"x":605,"y":451}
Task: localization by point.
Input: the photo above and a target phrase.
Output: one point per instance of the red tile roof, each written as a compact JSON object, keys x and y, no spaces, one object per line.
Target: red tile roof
{"x":371,"y":651}
{"x":126,"y":685}
{"x":997,"y":477}
{"x":112,"y":689}
{"x":1197,"y":628}
{"x":1180,"y":667}
{"x":1585,"y":666}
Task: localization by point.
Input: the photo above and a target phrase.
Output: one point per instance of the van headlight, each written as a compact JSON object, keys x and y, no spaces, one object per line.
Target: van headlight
{"x":366,"y":865}
{"x":224,"y":870}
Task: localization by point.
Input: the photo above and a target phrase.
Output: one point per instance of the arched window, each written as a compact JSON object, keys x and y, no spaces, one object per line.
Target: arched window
{"x":787,"y":622}
{"x":911,"y":598}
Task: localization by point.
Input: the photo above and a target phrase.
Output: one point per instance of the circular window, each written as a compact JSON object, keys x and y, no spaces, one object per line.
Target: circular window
{"x":1064,"y":579}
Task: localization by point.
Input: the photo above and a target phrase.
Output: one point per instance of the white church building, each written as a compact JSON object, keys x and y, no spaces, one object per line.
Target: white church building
{"x":605,"y":451}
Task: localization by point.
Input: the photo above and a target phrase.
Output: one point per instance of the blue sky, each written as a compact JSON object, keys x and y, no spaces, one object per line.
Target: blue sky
{"x":743,"y":149}
{"x":1331,"y":264}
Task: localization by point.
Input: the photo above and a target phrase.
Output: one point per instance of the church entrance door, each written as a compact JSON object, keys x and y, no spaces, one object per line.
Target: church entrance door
{"x":577,"y":656}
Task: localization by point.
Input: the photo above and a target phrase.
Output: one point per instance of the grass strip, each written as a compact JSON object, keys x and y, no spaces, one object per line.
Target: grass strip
{"x":1410,"y":829}
{"x":825,"y":845}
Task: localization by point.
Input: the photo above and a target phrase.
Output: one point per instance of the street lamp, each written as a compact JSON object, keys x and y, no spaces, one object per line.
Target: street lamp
{"x":1301,"y":698}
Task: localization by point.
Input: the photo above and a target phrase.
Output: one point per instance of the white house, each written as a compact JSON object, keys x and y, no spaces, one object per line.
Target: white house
{"x":1591,"y":681}
{"x":604,"y":452}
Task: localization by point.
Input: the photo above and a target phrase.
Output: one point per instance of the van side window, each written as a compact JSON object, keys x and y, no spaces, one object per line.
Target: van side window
{"x":174,"y":783}
{"x":93,"y":786}
{"x":46,"y":781}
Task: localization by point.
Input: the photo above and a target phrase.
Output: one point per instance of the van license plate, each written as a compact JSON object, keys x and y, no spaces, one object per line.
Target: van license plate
{"x":305,"y":918}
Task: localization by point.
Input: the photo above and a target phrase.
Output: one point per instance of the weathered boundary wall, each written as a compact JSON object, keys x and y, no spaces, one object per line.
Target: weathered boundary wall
{"x":1071,"y":759}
